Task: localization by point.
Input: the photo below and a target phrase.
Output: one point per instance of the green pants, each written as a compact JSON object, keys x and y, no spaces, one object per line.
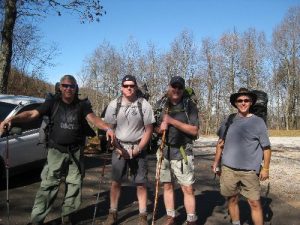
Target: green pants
{"x":58,"y":164}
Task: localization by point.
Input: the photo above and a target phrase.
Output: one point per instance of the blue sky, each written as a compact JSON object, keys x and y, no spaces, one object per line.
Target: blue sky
{"x":158,"y":21}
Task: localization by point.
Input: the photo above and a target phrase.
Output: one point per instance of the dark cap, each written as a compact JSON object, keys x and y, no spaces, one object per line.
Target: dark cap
{"x":243,"y":91}
{"x":177,"y":80}
{"x":129,"y":78}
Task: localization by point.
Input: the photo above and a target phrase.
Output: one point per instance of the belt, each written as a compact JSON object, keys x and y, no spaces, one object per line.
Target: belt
{"x":129,"y":142}
{"x":238,"y":169}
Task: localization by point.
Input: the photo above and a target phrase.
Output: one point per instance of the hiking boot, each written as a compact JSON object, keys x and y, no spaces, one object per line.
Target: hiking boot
{"x":169,"y":221}
{"x":111,"y":218}
{"x":143,"y":219}
{"x":191,"y":223}
{"x":65,"y":220}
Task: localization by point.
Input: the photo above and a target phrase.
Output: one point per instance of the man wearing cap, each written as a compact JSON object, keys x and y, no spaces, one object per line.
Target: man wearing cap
{"x":247,"y":145}
{"x":133,"y":128}
{"x":178,"y":117}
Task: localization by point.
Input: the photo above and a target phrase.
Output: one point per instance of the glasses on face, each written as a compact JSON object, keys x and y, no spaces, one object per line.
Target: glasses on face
{"x":176,"y":86}
{"x":128,"y":85}
{"x":71,"y":86}
{"x":243,"y":100}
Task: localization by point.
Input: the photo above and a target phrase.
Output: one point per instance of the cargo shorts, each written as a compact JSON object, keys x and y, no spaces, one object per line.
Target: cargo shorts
{"x":179,"y":170}
{"x":134,"y":169}
{"x":244,"y":182}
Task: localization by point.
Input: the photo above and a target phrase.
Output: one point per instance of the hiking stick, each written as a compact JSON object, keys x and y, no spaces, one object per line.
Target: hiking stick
{"x":98,"y":195}
{"x":158,"y":167}
{"x":7,"y":175}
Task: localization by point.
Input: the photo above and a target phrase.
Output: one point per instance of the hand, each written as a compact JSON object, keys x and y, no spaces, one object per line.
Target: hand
{"x":123,"y":153}
{"x":136,"y":151}
{"x":163,"y":126}
{"x":216,"y":168}
{"x":4,"y":126}
{"x":110,"y":135}
{"x":264,"y":174}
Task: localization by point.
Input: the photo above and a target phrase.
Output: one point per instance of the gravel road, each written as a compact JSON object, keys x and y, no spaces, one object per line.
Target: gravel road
{"x":281,"y":204}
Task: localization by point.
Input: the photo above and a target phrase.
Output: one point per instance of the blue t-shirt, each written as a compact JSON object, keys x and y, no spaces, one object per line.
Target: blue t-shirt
{"x":244,"y":143}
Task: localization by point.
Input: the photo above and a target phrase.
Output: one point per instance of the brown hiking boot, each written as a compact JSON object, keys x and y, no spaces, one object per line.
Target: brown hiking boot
{"x":169,"y":221}
{"x":143,"y":219}
{"x":111,"y":218}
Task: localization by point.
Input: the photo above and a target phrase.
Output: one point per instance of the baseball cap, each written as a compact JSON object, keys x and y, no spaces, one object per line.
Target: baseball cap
{"x":129,"y":78}
{"x":177,"y":80}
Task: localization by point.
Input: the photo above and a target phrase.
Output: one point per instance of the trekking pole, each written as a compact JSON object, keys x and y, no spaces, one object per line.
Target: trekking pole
{"x":7,"y":175}
{"x":158,"y":167}
{"x":98,"y":195}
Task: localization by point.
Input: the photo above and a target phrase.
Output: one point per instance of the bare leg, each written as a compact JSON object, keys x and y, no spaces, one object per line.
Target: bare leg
{"x":233,"y":208}
{"x":256,"y":212}
{"x":141,"y":191}
{"x":189,"y":199}
{"x":115,"y":191}
{"x":169,"y":196}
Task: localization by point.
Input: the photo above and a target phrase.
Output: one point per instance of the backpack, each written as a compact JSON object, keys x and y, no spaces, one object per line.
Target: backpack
{"x":259,"y":109}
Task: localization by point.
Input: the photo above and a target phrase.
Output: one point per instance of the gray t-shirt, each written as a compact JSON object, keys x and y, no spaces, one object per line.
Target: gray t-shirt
{"x":129,"y":124}
{"x":244,"y":143}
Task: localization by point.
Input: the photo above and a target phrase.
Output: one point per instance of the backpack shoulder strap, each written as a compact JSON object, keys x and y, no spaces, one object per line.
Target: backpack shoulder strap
{"x":118,"y":106}
{"x":228,"y":123}
{"x":140,"y":107}
{"x":186,"y":107}
{"x":54,"y":109}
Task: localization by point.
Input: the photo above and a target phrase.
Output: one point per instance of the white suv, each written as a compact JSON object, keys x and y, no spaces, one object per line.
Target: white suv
{"x":23,"y":148}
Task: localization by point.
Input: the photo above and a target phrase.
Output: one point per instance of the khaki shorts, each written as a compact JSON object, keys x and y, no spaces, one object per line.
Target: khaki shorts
{"x":183,"y":173}
{"x":246,"y":183}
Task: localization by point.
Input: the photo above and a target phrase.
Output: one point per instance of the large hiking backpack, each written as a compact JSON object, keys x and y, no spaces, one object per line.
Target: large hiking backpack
{"x":260,"y":108}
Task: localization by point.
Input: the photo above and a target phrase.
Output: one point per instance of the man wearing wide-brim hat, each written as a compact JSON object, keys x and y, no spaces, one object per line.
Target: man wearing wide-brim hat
{"x":247,"y":145}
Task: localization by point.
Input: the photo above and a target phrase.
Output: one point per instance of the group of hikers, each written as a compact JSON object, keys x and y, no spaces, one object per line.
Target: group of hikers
{"x":129,"y":123}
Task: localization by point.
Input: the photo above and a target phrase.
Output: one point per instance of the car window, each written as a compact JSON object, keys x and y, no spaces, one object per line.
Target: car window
{"x":6,"y":108}
{"x":32,"y":124}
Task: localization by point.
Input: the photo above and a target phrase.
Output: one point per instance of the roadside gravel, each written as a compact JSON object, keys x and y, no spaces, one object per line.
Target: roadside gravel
{"x":284,"y":171}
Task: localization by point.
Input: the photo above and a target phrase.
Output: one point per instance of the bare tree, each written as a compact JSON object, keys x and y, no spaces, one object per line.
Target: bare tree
{"x":88,"y":10}
{"x":286,"y":43}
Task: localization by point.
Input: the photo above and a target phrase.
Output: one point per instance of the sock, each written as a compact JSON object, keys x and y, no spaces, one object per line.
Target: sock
{"x":171,"y":212}
{"x":113,"y":210}
{"x":236,"y":222}
{"x":143,"y":210}
{"x":191,"y":217}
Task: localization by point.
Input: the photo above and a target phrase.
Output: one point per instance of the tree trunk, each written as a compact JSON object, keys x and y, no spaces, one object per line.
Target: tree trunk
{"x":6,"y":44}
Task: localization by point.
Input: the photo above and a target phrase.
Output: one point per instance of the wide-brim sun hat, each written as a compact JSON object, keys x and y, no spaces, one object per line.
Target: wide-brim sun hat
{"x":241,"y":92}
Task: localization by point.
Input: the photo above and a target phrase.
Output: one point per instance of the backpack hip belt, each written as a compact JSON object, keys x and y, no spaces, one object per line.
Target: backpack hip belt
{"x":181,"y":150}
{"x":65,"y":148}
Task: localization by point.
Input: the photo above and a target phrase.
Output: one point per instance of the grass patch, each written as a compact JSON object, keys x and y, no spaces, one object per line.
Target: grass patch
{"x":284,"y":133}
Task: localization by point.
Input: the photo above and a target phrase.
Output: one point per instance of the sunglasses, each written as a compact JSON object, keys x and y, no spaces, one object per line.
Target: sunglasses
{"x":128,"y":85}
{"x":243,"y":100}
{"x":71,"y":86}
{"x":177,"y":86}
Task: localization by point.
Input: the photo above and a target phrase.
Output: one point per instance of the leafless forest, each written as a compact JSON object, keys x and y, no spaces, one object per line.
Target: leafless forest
{"x":214,"y":68}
